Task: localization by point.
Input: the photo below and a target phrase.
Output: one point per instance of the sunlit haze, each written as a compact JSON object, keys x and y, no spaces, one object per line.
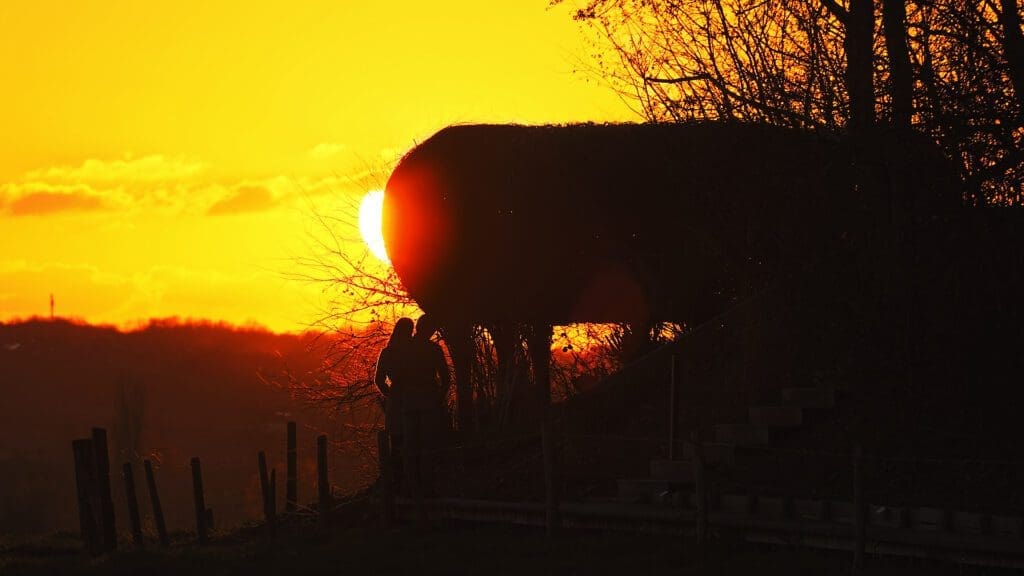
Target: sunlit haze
{"x":168,"y":158}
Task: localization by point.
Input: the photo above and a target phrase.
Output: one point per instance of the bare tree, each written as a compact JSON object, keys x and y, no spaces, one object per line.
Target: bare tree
{"x":1013,"y":45}
{"x":948,"y":68}
{"x":894,"y":16}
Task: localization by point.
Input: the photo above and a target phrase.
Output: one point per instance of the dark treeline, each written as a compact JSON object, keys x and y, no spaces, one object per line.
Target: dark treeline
{"x":165,"y":393}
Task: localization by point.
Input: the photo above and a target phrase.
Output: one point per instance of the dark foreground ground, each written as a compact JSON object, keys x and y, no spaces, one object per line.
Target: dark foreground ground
{"x":488,"y":550}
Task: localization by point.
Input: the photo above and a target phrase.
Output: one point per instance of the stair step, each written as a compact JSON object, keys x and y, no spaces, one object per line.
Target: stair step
{"x":810,"y":509}
{"x":971,"y":523}
{"x":646,"y":490}
{"x":1007,"y":526}
{"x":614,"y":500}
{"x":929,"y":519}
{"x":675,"y":471}
{"x":841,"y":511}
{"x":776,"y":416}
{"x":809,"y":397}
{"x":888,"y":516}
{"x":715,"y":453}
{"x":741,"y":434}
{"x":771,"y":507}
{"x":736,"y":503}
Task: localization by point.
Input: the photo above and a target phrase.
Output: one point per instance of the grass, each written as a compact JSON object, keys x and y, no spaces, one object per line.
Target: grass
{"x":457,"y":550}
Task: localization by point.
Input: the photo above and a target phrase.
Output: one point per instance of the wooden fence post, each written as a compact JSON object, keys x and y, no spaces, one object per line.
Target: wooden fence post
{"x":553,"y":505}
{"x":273,"y":500}
{"x":158,"y":511}
{"x":200,"y":502}
{"x":385,"y":483}
{"x":859,"y":509}
{"x":133,"y":506}
{"x":86,"y":489}
{"x":291,"y":499}
{"x":267,"y":493}
{"x":673,"y":407}
{"x":106,"y":502}
{"x":322,"y":486}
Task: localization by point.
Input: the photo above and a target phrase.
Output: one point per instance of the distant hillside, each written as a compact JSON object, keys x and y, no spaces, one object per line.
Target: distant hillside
{"x":167,"y":392}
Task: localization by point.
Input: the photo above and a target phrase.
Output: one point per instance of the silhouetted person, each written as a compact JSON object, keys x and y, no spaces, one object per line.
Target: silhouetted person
{"x":426,"y":414}
{"x":392,"y":379}
{"x":429,"y":378}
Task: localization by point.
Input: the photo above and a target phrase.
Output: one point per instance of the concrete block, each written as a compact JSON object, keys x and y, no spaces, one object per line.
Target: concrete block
{"x":741,"y":434}
{"x":888,"y":516}
{"x":1007,"y":526}
{"x":771,"y":507}
{"x":808,"y":509}
{"x":674,"y":471}
{"x":928,"y":519}
{"x":809,"y":397}
{"x":841,"y":512}
{"x":669,"y":498}
{"x":715,"y":453}
{"x":736,"y":503}
{"x":970,"y":522}
{"x":776,"y":416}
{"x":691,"y":499}
{"x":641,"y":489}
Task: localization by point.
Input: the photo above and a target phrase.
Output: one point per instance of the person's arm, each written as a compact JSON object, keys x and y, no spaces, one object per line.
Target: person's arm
{"x":381,"y":375}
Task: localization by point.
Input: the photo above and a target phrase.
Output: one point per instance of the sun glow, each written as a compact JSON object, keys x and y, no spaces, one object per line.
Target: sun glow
{"x":370,"y":223}
{"x":184,"y":176}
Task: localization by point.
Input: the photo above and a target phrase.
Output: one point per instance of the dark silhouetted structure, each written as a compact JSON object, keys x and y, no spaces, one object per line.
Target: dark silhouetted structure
{"x":543,"y":225}
{"x":595,"y":223}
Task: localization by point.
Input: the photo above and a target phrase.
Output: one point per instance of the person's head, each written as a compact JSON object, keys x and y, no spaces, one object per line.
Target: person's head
{"x":402,"y":331}
{"x":425,"y":327}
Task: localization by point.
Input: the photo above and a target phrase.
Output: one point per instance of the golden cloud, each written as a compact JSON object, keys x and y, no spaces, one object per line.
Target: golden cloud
{"x":244,"y":199}
{"x":151,"y":168}
{"x":325,"y":150}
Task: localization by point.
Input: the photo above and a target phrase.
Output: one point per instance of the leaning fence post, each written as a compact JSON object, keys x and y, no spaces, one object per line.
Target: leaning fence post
{"x":386,"y":481}
{"x":200,"y":502}
{"x":266,"y":491}
{"x":154,"y":499}
{"x":291,"y":498}
{"x":133,"y":506}
{"x":859,"y":508}
{"x":106,"y":502}
{"x":322,"y":486}
{"x":86,"y":488}
{"x":553,"y":508}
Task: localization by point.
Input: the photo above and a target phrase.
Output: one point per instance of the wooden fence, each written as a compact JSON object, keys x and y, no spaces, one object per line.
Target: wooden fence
{"x":96,"y":505}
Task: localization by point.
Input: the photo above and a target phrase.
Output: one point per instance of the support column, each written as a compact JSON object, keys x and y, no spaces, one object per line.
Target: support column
{"x":459,"y":338}
{"x":539,"y":344}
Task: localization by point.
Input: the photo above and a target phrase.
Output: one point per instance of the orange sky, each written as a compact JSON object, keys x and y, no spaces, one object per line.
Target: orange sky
{"x":164,"y":158}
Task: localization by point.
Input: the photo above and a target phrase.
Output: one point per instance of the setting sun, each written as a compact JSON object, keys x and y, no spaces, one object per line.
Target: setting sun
{"x":370,"y":223}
